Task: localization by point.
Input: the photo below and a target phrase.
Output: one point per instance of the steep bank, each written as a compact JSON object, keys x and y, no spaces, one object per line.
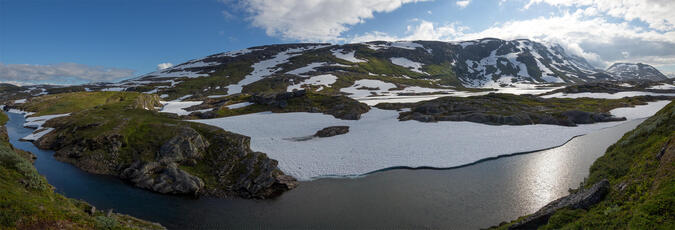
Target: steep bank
{"x":27,"y":201}
{"x":640,"y":169}
{"x":122,"y":134}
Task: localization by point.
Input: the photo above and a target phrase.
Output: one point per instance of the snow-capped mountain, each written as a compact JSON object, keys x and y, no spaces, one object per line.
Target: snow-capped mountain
{"x":636,"y":71}
{"x":477,"y":63}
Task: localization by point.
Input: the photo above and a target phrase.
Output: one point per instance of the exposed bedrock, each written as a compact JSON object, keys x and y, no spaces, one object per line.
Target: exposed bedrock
{"x":332,"y":131}
{"x":583,"y":199}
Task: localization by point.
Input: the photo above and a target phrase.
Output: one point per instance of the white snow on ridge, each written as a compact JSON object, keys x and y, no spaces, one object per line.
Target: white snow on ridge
{"x":306,"y":69}
{"x":323,"y":80}
{"x":407,"y":63}
{"x":20,"y":101}
{"x":378,"y":140}
{"x":339,"y":53}
{"x":606,"y":95}
{"x":373,"y":92}
{"x":267,"y":67}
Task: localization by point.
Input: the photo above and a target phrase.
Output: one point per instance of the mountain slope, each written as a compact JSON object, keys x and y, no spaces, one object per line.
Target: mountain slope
{"x":480,"y":63}
{"x":636,"y":71}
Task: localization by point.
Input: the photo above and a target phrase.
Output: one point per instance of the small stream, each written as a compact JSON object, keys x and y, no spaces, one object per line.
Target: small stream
{"x":471,"y":197}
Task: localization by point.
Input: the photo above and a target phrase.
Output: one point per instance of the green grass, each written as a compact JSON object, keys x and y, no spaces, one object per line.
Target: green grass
{"x":27,"y":201}
{"x":229,"y":74}
{"x":3,"y":118}
{"x":78,"y":101}
{"x":647,"y":200}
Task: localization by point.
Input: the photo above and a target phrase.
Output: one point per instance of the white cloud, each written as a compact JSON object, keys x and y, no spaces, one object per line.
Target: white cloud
{"x":658,"y":14}
{"x":164,"y":65}
{"x":425,"y":30}
{"x":60,"y":73}
{"x":463,"y":3}
{"x":318,"y":20}
{"x":594,"y":38}
{"x":600,"y":41}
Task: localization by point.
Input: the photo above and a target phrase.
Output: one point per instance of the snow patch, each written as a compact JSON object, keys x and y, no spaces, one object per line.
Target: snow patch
{"x":239,"y":105}
{"x":407,"y":63}
{"x":323,"y":80}
{"x":339,"y":53}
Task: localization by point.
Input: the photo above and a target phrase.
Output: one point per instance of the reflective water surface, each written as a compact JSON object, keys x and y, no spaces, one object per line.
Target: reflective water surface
{"x":470,"y":197}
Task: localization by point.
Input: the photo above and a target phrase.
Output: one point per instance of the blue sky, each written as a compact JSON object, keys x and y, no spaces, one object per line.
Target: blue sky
{"x":53,"y":41}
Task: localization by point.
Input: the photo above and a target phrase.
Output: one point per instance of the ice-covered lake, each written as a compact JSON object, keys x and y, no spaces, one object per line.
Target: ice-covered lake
{"x":378,"y":140}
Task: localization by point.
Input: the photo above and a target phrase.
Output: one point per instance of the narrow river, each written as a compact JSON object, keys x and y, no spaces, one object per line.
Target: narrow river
{"x":470,"y":197}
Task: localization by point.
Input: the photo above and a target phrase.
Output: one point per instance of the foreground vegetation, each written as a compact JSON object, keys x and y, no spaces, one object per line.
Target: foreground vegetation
{"x":641,"y":170}
{"x":27,"y":201}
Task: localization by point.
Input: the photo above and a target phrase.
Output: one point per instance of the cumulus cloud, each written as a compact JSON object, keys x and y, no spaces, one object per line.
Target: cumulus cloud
{"x":318,"y":20}
{"x":658,"y":14}
{"x":598,"y":40}
{"x":424,"y":30}
{"x":463,"y":3}
{"x":60,"y":73}
{"x":164,"y":65}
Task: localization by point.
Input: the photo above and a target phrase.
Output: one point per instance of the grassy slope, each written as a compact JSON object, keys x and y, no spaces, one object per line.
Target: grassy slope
{"x":74,"y":102}
{"x":27,"y":201}
{"x":647,"y":200}
{"x":142,"y":131}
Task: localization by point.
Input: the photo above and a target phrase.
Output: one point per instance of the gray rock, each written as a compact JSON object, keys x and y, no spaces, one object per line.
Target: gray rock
{"x":187,"y":144}
{"x":332,"y":131}
{"x":582,"y":199}
{"x":166,"y":179}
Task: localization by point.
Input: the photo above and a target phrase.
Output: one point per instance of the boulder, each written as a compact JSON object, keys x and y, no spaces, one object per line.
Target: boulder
{"x":332,"y":131}
{"x":582,"y":199}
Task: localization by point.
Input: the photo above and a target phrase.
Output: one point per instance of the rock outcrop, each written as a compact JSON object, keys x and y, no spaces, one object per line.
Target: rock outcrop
{"x":332,"y":131}
{"x":507,"y":109}
{"x":583,"y":199}
{"x":186,"y":145}
{"x":162,"y":178}
{"x":300,"y":101}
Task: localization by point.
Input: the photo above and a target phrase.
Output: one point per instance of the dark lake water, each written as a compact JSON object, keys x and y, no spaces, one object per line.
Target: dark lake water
{"x":470,"y":197}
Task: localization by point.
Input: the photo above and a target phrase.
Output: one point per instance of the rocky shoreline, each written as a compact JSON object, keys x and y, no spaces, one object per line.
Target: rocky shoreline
{"x":162,"y":154}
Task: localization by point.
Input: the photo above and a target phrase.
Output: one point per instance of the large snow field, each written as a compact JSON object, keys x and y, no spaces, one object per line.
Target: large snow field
{"x":378,"y":140}
{"x":606,"y":95}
